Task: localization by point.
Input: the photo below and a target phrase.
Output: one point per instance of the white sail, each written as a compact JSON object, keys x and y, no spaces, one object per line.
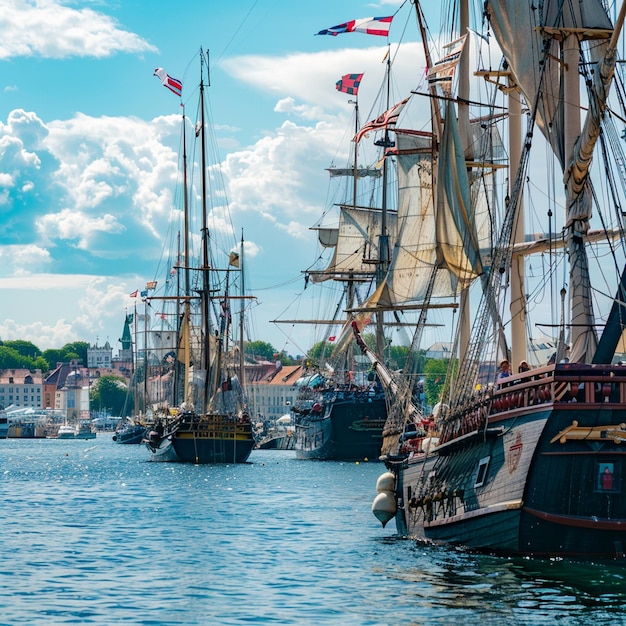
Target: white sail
{"x":356,"y":244}
{"x":518,"y":27}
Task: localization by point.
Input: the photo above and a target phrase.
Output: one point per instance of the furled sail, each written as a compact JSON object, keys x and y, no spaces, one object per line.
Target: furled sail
{"x":547,"y":74}
{"x":356,"y":243}
{"x":414,"y":256}
{"x":458,"y":247}
{"x":446,"y":229}
{"x":517,"y":26}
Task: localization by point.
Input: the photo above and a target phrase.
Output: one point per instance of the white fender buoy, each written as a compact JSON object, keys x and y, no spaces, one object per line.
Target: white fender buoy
{"x":386,"y":482}
{"x":384,"y":507}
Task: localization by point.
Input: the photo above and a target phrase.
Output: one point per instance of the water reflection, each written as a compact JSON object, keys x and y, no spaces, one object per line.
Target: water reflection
{"x":448,"y":585}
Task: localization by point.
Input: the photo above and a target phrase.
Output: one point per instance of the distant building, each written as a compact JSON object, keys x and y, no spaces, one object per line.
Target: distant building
{"x":73,"y":398}
{"x":273,"y":395}
{"x":21,"y":388}
{"x":439,"y":350}
{"x":66,"y":389}
{"x":100,"y":356}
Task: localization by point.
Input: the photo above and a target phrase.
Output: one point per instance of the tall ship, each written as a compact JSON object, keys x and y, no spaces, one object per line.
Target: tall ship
{"x":207,"y":420}
{"x":341,"y":407}
{"x":521,"y":460}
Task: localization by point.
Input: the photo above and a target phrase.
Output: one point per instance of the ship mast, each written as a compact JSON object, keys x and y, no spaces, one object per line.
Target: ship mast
{"x":208,"y":386}
{"x":383,"y":241}
{"x":464,"y":128}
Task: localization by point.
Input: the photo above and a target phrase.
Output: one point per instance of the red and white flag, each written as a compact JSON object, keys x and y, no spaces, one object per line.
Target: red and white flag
{"x":386,"y":119}
{"x":368,"y":25}
{"x":173,"y":84}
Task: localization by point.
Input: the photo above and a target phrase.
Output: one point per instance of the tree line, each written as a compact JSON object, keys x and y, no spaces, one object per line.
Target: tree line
{"x":21,"y":354}
{"x":112,"y":391}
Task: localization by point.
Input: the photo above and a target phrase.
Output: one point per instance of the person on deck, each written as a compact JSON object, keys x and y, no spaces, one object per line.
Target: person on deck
{"x":505,"y":371}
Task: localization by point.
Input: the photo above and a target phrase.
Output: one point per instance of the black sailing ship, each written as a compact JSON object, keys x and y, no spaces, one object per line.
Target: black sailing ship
{"x":532,"y":463}
{"x":341,"y":409}
{"x":209,"y":371}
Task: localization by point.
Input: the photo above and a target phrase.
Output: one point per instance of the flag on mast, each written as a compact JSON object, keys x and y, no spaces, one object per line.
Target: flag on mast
{"x":368,"y":25}
{"x":173,"y":84}
{"x":386,"y":119}
{"x":349,"y":83}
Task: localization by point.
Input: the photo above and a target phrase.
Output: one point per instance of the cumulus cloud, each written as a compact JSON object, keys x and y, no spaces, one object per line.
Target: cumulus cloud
{"x":99,"y":196}
{"x":23,"y":259}
{"x":73,"y":225}
{"x":46,"y":28}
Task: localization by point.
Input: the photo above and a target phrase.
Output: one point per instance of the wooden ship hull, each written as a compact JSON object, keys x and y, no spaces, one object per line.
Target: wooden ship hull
{"x":536,"y":469}
{"x":204,"y":439}
{"x":347,"y":427}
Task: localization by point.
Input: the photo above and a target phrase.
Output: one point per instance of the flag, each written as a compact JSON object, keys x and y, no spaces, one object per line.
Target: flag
{"x":234,"y":259}
{"x":349,"y":83}
{"x":386,"y":119}
{"x":173,"y":84}
{"x":134,"y":294}
{"x":441,"y":73}
{"x":367,"y":25}
{"x":144,"y":294}
{"x":151,"y":284}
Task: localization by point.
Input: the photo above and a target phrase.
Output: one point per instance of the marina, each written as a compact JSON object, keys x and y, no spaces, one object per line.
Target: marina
{"x":87,"y":538}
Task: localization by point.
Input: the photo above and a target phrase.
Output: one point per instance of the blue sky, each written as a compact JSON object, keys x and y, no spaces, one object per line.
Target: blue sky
{"x":88,"y":140}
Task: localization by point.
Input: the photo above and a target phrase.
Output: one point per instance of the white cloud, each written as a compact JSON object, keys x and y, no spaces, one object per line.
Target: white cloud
{"x":75,"y":225}
{"x":18,"y":259}
{"x":47,"y":28}
{"x":43,"y":335}
{"x":107,"y":191}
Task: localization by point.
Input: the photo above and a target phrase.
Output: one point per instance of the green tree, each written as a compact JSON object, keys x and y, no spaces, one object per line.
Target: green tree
{"x":25,"y":348}
{"x":285,"y":359}
{"x":76,"y":349}
{"x":260,"y":350}
{"x":42,"y":364}
{"x":53,"y":356}
{"x":12,"y":359}
{"x":397,"y":356}
{"x":435,"y":372}
{"x":109,"y":392}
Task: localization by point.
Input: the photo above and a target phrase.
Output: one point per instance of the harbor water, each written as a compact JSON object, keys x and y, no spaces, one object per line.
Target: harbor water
{"x":93,"y":533}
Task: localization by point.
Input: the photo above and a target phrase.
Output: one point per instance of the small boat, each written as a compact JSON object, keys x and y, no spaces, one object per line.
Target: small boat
{"x":130,"y":433}
{"x":277,"y":436}
{"x":82,"y":430}
{"x":4,"y":425}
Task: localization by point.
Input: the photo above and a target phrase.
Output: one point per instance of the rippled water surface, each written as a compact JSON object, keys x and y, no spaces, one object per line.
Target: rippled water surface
{"x":92,"y":533}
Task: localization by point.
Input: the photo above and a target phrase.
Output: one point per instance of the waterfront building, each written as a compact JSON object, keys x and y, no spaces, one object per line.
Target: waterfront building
{"x":21,"y":388}
{"x":273,"y":395}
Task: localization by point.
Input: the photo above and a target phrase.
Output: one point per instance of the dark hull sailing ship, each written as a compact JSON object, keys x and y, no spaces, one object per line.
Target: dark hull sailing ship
{"x":338,"y":424}
{"x":339,"y":415}
{"x":209,"y":374}
{"x":532,"y":463}
{"x":130,"y":433}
